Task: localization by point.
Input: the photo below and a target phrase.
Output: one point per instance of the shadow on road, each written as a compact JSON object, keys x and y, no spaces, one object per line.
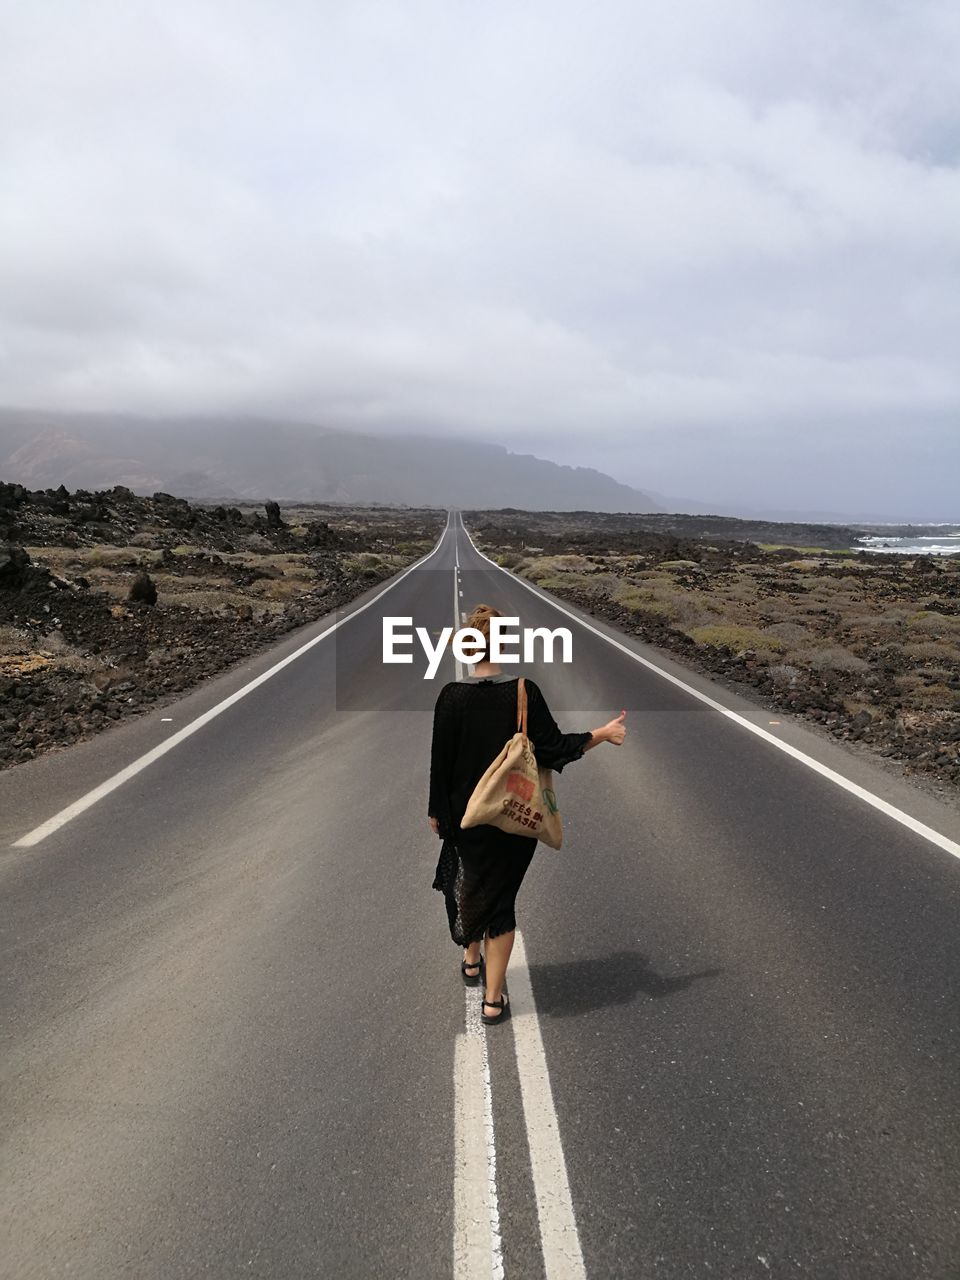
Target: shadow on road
{"x":577,"y":986}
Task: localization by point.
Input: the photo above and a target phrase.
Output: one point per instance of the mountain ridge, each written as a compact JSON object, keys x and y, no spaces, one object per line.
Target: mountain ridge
{"x":246,"y":458}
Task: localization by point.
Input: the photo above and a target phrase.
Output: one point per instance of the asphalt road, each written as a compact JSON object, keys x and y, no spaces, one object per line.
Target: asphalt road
{"x":234,"y":1027}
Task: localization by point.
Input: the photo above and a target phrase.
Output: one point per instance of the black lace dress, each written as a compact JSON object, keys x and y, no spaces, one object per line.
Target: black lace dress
{"x":481,"y":868}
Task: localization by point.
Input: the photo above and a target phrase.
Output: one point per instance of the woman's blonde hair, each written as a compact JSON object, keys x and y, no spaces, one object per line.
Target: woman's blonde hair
{"x":479,"y":620}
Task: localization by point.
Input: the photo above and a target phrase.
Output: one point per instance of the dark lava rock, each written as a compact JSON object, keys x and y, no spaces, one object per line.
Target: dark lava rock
{"x":319,"y":534}
{"x":16,"y":568}
{"x":11,"y":495}
{"x":925,"y":564}
{"x":143,"y":590}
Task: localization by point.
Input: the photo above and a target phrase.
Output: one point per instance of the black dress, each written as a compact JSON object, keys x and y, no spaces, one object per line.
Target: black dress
{"x":480,"y":869}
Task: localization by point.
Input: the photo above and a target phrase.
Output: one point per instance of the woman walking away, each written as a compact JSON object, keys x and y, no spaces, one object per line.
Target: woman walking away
{"x":481,"y":868}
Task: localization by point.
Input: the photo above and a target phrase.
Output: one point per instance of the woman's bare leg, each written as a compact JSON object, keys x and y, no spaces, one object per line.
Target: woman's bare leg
{"x":471,"y":955}
{"x":497,"y":955}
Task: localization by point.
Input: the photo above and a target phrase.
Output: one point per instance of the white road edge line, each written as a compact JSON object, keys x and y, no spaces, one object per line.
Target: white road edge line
{"x":142,"y":762}
{"x":898,"y":815}
{"x":559,"y":1238}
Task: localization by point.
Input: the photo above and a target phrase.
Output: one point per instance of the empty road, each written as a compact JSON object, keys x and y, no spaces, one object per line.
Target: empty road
{"x":236,"y":1041}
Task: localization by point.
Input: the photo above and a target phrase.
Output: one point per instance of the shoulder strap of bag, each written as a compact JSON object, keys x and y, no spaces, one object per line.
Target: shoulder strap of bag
{"x":521,"y":707}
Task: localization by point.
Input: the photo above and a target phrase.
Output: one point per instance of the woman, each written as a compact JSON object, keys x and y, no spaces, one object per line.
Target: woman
{"x":481,"y":868}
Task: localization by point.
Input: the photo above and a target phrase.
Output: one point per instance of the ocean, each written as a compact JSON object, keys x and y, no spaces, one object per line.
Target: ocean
{"x":942,"y":544}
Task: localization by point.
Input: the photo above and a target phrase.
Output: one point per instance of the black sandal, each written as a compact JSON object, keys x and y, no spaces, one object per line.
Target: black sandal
{"x":495,"y":1004}
{"x":471,"y":979}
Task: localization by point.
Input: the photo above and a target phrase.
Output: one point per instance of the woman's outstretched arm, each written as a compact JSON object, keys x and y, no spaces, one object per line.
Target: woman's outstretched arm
{"x":553,"y":747}
{"x":613,"y":731}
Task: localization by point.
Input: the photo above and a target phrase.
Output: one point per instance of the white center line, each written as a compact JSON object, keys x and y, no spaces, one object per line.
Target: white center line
{"x":456,"y":620}
{"x":560,"y":1240}
{"x":478,"y":1247}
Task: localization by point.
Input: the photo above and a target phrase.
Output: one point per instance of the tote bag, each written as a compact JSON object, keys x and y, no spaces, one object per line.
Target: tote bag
{"x":515,"y":794}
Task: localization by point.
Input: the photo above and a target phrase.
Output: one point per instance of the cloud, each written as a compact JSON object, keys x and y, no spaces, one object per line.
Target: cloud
{"x":670,"y":236}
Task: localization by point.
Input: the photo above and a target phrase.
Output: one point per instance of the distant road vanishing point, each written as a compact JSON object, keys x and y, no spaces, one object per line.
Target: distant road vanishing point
{"x":236,"y":1041}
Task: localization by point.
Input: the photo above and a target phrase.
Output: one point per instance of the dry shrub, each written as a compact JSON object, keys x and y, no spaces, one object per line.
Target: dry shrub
{"x":694,"y":611}
{"x":204,"y":601}
{"x":281,"y":588}
{"x":923,"y":696}
{"x":562,"y":581}
{"x":937,"y":625}
{"x":778,"y":609}
{"x":117,"y":557}
{"x":822,"y":585}
{"x":80,"y":559}
{"x":787,"y":632}
{"x":54,"y":642}
{"x":180,"y":583}
{"x":630,"y":595}
{"x":78,"y":663}
{"x":866,"y":622}
{"x":783,"y":674}
{"x":938,"y":674}
{"x":847,"y":600}
{"x":668,"y":603}
{"x":638,"y":603}
{"x":658,"y":611}
{"x":739,"y":592}
{"x":598,"y":585}
{"x":552,"y":566}
{"x":815,"y":609}
{"x":829,"y":658}
{"x":853,"y":706}
{"x":932,"y":651}
{"x":603,"y":584}
{"x":57,"y":558}
{"x":734,"y":638}
{"x":14,"y":641}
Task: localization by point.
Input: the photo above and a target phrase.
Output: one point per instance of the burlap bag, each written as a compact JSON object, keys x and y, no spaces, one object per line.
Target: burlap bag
{"x":515,"y":794}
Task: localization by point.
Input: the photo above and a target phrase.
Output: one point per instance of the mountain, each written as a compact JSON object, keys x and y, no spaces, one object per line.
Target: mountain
{"x":237,"y":458}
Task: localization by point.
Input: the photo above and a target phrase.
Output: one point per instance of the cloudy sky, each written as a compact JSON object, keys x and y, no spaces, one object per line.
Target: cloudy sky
{"x":709,"y":246}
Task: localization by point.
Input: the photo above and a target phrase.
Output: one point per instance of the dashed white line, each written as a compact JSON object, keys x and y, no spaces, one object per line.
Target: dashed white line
{"x":458,"y":665}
